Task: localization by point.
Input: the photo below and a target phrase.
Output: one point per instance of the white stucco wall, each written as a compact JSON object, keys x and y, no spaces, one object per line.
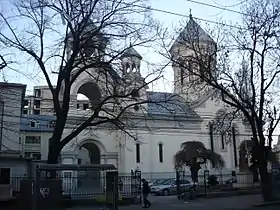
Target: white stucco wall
{"x":11,"y":96}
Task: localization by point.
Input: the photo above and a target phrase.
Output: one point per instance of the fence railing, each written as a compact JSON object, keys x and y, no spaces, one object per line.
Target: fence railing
{"x":91,"y":185}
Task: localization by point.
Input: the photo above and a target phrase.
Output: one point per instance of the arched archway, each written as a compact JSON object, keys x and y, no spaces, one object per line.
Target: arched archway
{"x":89,"y":153}
{"x":93,"y":152}
{"x":89,"y":91}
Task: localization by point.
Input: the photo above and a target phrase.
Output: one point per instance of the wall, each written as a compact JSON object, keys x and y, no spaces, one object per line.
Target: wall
{"x":19,"y":169}
{"x":149,"y":150}
{"x":208,"y":110}
{"x":11,"y":95}
{"x":43,"y":147}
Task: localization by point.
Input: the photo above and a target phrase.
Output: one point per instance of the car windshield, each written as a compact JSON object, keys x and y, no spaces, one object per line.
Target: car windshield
{"x":168,"y":182}
{"x":158,"y":182}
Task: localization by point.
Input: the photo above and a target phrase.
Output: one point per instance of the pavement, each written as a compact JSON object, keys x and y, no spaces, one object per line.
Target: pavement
{"x":245,"y":202}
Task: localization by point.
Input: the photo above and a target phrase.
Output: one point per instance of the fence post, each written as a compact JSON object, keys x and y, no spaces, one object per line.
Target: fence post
{"x":178,"y":184}
{"x":206,"y":174}
{"x":138,"y":178}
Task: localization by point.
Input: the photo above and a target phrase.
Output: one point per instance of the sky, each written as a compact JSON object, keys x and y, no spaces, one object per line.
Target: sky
{"x":169,"y":21}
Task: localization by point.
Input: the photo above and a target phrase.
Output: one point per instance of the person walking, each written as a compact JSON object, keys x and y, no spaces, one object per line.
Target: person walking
{"x":145,"y":191}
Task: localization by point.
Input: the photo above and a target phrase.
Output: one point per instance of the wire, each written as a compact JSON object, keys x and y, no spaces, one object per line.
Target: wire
{"x":227,"y":6}
{"x":179,"y":14}
{"x":216,"y":7}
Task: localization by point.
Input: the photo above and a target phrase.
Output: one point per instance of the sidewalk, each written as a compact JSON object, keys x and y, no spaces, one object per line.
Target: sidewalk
{"x":245,"y":202}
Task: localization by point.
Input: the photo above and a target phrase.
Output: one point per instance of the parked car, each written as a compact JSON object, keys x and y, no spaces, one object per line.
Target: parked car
{"x":157,"y":182}
{"x":169,"y":187}
{"x":231,"y":180}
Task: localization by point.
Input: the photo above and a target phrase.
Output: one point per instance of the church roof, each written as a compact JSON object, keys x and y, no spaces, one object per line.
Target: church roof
{"x":129,"y":52}
{"x":168,"y":104}
{"x":193,"y":31}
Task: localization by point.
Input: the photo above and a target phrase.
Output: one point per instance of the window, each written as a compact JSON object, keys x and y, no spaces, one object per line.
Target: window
{"x":5,"y":174}
{"x":26,"y":104}
{"x":184,"y":182}
{"x":34,"y":124}
{"x":137,"y":153}
{"x":78,"y":106}
{"x":33,"y":140}
{"x":223,"y":141}
{"x":85,"y":106}
{"x":135,"y":93}
{"x":79,"y":161}
{"x":182,"y":76}
{"x":201,"y":72}
{"x":190,"y":70}
{"x":36,"y":156}
{"x":37,"y":104}
{"x":25,"y":111}
{"x":52,"y":124}
{"x":37,"y":93}
{"x":36,"y":111}
{"x":33,"y":155}
{"x":160,"y":152}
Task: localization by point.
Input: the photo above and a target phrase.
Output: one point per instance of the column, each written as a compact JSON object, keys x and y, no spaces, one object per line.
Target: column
{"x":69,"y":177}
{"x":121,"y":155}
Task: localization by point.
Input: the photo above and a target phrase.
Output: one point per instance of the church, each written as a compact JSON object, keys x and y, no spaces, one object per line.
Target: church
{"x":158,"y":131}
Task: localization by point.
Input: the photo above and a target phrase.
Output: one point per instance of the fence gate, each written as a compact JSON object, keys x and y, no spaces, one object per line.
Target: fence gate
{"x":181,"y":177}
{"x":136,"y":184}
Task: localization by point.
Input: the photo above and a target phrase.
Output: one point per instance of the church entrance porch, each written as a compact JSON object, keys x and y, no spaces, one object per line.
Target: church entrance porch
{"x":86,"y":183}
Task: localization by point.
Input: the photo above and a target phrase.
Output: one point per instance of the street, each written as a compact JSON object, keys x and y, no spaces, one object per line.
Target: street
{"x":225,"y":203}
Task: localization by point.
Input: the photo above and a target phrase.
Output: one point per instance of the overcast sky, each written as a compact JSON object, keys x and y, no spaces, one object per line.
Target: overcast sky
{"x":169,"y":21}
{"x":172,"y":22}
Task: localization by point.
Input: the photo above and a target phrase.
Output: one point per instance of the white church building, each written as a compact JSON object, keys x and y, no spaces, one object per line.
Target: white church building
{"x":160,"y":131}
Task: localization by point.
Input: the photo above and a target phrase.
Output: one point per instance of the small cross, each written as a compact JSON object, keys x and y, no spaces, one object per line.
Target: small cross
{"x":190,"y":13}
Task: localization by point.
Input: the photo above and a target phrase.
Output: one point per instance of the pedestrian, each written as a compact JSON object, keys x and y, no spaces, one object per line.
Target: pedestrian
{"x":145,"y":191}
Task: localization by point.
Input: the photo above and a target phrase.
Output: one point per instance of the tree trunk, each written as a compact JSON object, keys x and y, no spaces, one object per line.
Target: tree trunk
{"x":53,"y":155}
{"x":266,"y":185}
{"x":254,"y":170}
{"x":194,"y":172}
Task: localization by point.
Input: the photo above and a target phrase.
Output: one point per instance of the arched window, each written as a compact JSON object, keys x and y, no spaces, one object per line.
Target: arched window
{"x":223,"y":141}
{"x":137,"y":153}
{"x":160,"y":152}
{"x":182,"y":76}
{"x":135,"y":93}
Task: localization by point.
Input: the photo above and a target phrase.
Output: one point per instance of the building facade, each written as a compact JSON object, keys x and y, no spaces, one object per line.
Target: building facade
{"x":159,"y":131}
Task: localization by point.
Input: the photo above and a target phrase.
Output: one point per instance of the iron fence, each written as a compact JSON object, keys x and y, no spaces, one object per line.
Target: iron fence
{"x":215,"y":183}
{"x":93,"y":185}
{"x":90,"y":185}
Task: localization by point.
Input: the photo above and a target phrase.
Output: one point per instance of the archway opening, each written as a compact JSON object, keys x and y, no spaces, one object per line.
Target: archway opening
{"x":88,"y":96}
{"x":89,"y":153}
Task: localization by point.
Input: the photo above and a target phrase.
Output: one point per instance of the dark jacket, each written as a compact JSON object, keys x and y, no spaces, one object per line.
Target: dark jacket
{"x":145,"y":187}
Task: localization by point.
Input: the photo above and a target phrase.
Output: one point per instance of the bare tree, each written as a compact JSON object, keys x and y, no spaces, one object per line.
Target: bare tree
{"x":85,"y":39}
{"x":3,"y":63}
{"x":241,"y":68}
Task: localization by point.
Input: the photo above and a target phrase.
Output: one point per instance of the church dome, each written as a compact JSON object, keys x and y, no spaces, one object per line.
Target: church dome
{"x":131,"y":52}
{"x":193,"y":31}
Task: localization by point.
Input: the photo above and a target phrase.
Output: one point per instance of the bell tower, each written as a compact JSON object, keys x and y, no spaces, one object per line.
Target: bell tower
{"x":191,"y":50}
{"x":131,"y":61}
{"x":135,"y":84}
